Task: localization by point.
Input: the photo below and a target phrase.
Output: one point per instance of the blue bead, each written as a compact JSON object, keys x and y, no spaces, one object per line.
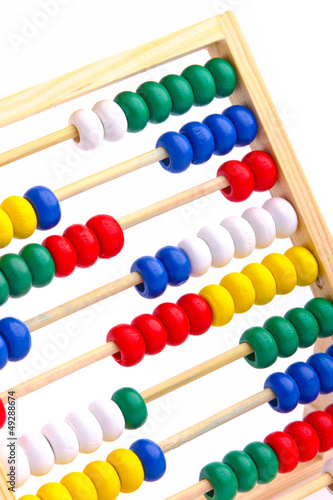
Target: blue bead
{"x":307,"y":380}
{"x":224,"y":133}
{"x":3,"y":353}
{"x":154,"y":277}
{"x":244,"y":122}
{"x":329,"y":350}
{"x":201,"y":140}
{"x":17,"y":338}
{"x":46,"y":206}
{"x":176,"y":263}
{"x":179,"y":150}
{"x":152,"y":458}
{"x":286,"y":391}
{"x":323,"y":365}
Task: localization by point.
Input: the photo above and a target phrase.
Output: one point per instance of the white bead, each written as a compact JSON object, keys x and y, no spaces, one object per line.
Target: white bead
{"x":220,"y":244}
{"x":262,"y":224}
{"x":87,"y":430}
{"x":113,"y":118}
{"x":89,"y":127}
{"x":63,"y":441}
{"x":198,"y":254}
{"x":242,"y":234}
{"x":284,"y":215}
{"x":109,"y":417}
{"x":22,"y":468}
{"x":328,"y":467}
{"x":38,"y":451}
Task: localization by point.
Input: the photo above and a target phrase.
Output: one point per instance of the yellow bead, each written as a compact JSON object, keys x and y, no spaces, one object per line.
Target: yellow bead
{"x":241,"y":290}
{"x":105,"y":479}
{"x":220,"y":303}
{"x":305,"y":264}
{"x":22,"y":215}
{"x":283,"y":271}
{"x":29,"y":497}
{"x":263,"y":283}
{"x":129,"y":469}
{"x":53,"y":491}
{"x":6,"y":229}
{"x":80,"y":486}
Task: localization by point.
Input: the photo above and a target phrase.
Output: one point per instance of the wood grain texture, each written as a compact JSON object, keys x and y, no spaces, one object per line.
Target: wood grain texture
{"x":109,"y":70}
{"x":309,"y":488}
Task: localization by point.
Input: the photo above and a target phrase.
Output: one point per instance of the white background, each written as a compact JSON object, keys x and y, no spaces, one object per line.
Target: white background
{"x":292,"y":43}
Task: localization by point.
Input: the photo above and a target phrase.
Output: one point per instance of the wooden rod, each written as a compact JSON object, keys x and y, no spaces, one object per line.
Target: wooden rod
{"x":83,"y":301}
{"x":61,"y":371}
{"x":193,"y":492}
{"x":110,"y":173}
{"x":309,"y":488}
{"x":175,"y":201}
{"x":216,"y":420}
{"x":196,"y":372}
{"x":38,"y":145}
{"x":110,"y":348}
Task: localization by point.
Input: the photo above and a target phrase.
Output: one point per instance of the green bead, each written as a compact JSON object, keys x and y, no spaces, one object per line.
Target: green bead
{"x":135,"y":109}
{"x":4,"y":289}
{"x":322,"y":309}
{"x":224,"y":76}
{"x":264,"y":346}
{"x":17,"y":274}
{"x":265,"y":461}
{"x":284,"y":334}
{"x":157,"y":99}
{"x":132,"y":406}
{"x":181,"y":93}
{"x":305,"y":324}
{"x":202,"y":83}
{"x":244,"y":468}
{"x":40,"y":264}
{"x":223,"y":480}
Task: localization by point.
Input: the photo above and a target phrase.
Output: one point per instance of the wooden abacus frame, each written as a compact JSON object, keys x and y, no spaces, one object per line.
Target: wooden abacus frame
{"x":222,"y":37}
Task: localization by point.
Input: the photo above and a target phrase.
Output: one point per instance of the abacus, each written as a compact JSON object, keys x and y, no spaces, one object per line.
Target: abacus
{"x":292,"y":212}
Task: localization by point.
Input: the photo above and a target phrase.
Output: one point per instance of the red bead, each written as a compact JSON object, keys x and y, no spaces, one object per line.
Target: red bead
{"x":198,"y":312}
{"x":85,"y":243}
{"x":3,"y":415}
{"x":175,"y":321}
{"x":285,"y":448}
{"x":306,"y":439}
{"x":153,"y":332}
{"x":322,"y":423}
{"x":263,"y":168}
{"x":240,"y":178}
{"x":329,"y":409}
{"x":130,"y":343}
{"x":109,"y":234}
{"x":63,"y":255}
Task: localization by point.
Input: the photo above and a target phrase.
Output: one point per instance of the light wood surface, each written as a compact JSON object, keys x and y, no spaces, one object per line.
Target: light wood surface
{"x":109,"y":70}
{"x":309,"y":488}
{"x":111,"y":173}
{"x":216,"y":420}
{"x":38,"y":145}
{"x":83,"y":301}
{"x":197,"y":372}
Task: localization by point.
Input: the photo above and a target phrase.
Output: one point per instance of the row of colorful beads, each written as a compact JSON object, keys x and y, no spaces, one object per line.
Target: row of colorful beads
{"x":82,"y":431}
{"x":239,"y":471}
{"x":236,"y":293}
{"x":281,"y":452}
{"x":153,"y":102}
{"x":196,"y":142}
